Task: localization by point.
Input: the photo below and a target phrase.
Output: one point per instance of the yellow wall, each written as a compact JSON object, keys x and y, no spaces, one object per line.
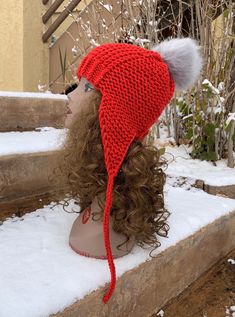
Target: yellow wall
{"x":11,"y":48}
{"x":36,"y":53}
{"x":24,"y":58}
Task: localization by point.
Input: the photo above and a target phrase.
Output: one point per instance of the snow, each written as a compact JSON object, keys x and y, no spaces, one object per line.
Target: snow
{"x":41,"y":140}
{"x":32,"y":95}
{"x":41,"y":275}
{"x":181,"y":164}
{"x":230,"y":310}
{"x":231,"y":117}
{"x":108,"y":7}
{"x":160,"y":313}
{"x":214,"y":89}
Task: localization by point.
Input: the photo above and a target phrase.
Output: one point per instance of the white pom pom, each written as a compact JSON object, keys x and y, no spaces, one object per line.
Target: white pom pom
{"x":183,"y":59}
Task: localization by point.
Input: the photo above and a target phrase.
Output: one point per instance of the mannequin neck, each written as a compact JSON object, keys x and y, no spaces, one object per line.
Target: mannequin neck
{"x":95,"y":206}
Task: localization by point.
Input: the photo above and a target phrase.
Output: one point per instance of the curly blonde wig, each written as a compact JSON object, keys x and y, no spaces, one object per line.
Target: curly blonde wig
{"x":138,"y":200}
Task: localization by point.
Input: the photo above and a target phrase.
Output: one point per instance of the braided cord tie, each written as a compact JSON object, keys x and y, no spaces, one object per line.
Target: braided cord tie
{"x":106,"y":238}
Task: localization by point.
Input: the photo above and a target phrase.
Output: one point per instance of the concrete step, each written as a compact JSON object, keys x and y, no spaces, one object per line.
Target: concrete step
{"x":27,"y":111}
{"x":20,"y":206}
{"x":28,"y":158}
{"x":25,"y":175}
{"x":144,"y":290}
{"x":197,"y":239}
{"x":222,"y":190}
{"x":212,"y":294}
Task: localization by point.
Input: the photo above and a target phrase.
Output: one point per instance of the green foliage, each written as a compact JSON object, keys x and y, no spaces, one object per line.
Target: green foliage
{"x":226,"y":13}
{"x":204,"y":145}
{"x":199,"y":124}
{"x":63,"y":62}
{"x":162,"y":151}
{"x":227,"y":129}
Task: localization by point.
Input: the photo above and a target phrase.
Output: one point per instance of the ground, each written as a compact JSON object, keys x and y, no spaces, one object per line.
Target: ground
{"x":208,"y":296}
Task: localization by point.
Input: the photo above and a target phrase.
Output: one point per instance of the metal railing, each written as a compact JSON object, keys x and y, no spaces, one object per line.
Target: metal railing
{"x":63,"y":15}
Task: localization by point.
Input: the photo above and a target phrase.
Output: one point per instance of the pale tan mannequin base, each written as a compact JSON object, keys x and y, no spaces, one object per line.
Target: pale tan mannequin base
{"x":88,"y":238}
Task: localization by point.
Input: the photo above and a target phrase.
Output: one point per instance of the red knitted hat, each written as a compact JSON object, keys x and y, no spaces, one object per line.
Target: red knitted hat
{"x":136,"y":85}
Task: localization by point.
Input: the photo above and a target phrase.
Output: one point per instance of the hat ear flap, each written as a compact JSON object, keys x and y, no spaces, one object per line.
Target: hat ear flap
{"x":114,"y":127}
{"x":183,"y":59}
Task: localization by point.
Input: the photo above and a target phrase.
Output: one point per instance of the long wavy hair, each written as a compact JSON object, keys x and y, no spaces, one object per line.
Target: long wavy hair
{"x":138,"y":200}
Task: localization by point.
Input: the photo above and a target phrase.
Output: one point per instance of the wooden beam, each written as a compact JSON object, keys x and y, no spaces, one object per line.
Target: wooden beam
{"x":59,"y":20}
{"x":55,"y":5}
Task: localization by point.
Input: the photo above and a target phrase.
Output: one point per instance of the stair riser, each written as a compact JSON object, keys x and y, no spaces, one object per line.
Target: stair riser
{"x":25,"y":175}
{"x":24,"y":114}
{"x":226,"y":191}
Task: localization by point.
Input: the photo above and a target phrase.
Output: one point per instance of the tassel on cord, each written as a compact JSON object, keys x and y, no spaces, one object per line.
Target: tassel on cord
{"x":106,"y":238}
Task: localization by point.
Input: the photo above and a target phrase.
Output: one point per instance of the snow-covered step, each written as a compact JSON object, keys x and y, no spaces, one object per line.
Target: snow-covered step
{"x":27,"y":153}
{"x":216,"y":179}
{"x":42,"y":276}
{"x":27,"y":160}
{"x":27,"y":110}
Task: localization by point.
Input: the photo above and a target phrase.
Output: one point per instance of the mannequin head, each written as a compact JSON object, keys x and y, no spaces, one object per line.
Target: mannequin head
{"x":138,"y":203}
{"x":77,"y":98}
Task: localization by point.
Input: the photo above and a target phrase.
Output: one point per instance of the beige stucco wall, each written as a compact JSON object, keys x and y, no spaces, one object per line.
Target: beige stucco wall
{"x":24,"y":58}
{"x":35,"y":52}
{"x":11,"y":48}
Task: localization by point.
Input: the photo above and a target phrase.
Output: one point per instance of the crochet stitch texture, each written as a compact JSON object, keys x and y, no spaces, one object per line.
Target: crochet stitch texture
{"x":136,"y":86}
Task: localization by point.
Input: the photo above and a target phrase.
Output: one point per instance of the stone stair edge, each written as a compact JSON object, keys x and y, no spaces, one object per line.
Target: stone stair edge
{"x":139,"y":288}
{"x":227,"y":191}
{"x":20,"y":206}
{"x":27,"y":111}
{"x":31,"y":95}
{"x":29,"y":154}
